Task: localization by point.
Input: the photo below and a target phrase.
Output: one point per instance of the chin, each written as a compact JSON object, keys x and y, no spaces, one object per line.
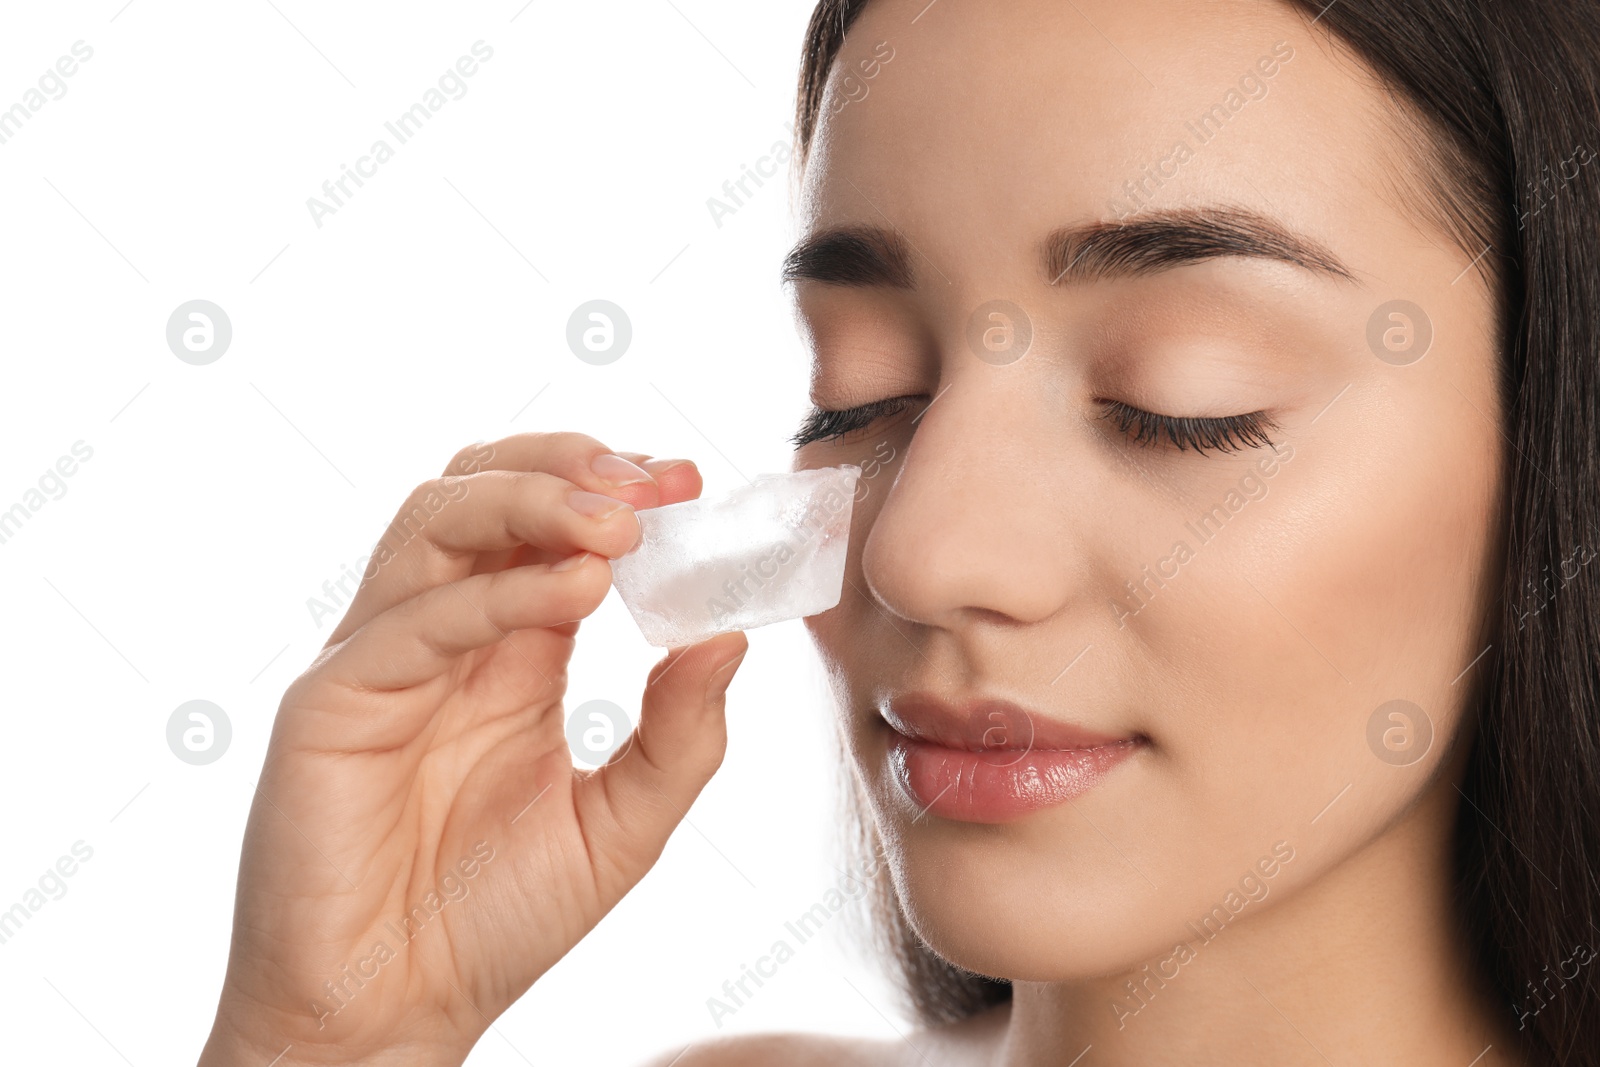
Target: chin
{"x":1030,"y":925}
{"x":1041,"y":898}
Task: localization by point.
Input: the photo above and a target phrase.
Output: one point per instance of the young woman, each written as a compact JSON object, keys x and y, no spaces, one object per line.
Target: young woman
{"x":1218,"y":662}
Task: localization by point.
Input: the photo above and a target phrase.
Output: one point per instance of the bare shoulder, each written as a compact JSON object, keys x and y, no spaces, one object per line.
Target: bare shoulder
{"x":968,"y":1042}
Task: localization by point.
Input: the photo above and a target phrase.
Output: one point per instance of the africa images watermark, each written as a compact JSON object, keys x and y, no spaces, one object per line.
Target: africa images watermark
{"x":1544,"y":190}
{"x":1204,"y":528}
{"x":405,"y":528}
{"x":736,"y":192}
{"x":1536,"y":598}
{"x":352,"y":978}
{"x":736,"y":992}
{"x":1532,"y":1004}
{"x":52,"y":85}
{"x":1137,"y":193}
{"x":817,"y":523}
{"x":1253,"y":889}
{"x":51,"y":485}
{"x":51,"y":885}
{"x":402,"y":128}
{"x":777,"y":155}
{"x":853,"y":86}
{"x":883,"y":453}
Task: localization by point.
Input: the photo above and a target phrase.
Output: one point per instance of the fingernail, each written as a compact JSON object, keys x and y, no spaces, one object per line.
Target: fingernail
{"x":616,"y":471}
{"x":722,"y":677}
{"x":661,"y":466}
{"x":593,"y":505}
{"x":571,"y":562}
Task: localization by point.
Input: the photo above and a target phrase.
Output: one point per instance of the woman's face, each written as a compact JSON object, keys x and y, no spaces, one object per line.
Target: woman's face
{"x":1199,"y":645}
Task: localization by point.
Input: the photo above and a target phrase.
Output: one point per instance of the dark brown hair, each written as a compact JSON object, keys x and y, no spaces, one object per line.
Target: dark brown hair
{"x":1507,"y":96}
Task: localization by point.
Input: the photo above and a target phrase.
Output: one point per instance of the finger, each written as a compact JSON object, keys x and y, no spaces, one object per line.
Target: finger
{"x":504,"y":509}
{"x":407,"y":560}
{"x":676,"y":479}
{"x":427,"y":635}
{"x":632,"y":804}
{"x":579,"y":458}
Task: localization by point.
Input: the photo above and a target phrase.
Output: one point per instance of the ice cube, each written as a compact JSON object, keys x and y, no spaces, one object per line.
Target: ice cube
{"x":768,"y":551}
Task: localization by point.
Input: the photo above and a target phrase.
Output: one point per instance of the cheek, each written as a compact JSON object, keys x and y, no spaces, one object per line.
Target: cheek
{"x":1357,"y":580}
{"x":1387,"y":543}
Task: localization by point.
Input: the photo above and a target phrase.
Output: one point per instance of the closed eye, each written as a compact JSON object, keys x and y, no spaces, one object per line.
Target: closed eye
{"x":823,"y":424}
{"x":1225,"y":433}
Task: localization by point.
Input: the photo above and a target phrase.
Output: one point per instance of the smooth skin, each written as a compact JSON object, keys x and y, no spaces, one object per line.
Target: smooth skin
{"x":428,"y":735}
{"x":992,"y":553}
{"x":985,"y":556}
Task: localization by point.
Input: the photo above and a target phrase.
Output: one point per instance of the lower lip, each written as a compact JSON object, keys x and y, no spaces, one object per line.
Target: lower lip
{"x":998,"y":785}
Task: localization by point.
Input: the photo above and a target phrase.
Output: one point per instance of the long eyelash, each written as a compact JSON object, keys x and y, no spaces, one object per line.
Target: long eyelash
{"x":821,"y":425}
{"x":1228,"y":433}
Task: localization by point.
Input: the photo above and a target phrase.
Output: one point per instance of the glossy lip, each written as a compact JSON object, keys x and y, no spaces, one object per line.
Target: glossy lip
{"x":993,"y":761}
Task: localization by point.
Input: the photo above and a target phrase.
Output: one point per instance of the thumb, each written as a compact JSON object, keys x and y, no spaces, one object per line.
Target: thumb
{"x":633,"y":803}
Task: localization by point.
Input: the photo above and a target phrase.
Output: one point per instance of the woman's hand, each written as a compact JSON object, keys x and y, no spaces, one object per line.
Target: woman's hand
{"x":421,"y":848}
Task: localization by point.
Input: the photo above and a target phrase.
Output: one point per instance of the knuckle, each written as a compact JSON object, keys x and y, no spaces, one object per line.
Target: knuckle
{"x":408,"y":613}
{"x":711,"y":759}
{"x":430,"y":644}
{"x":423,"y":491}
{"x":498,"y":586}
{"x":471,"y":459}
{"x":422,"y":505}
{"x":537,"y":484}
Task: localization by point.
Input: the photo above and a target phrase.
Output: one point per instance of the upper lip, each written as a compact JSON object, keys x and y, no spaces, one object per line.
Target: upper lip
{"x":986,"y":724}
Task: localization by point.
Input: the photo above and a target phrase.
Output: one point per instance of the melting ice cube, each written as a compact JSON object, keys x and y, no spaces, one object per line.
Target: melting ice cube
{"x":768,"y":551}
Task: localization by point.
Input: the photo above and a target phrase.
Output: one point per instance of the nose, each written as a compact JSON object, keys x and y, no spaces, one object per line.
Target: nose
{"x":985,"y":519}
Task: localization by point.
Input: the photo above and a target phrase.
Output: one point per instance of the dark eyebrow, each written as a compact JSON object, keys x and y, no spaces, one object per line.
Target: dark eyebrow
{"x":852,"y":255}
{"x":863,"y":255}
{"x":1161,"y":240}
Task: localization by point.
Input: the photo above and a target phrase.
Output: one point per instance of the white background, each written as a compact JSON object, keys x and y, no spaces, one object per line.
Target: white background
{"x":178,"y":563}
